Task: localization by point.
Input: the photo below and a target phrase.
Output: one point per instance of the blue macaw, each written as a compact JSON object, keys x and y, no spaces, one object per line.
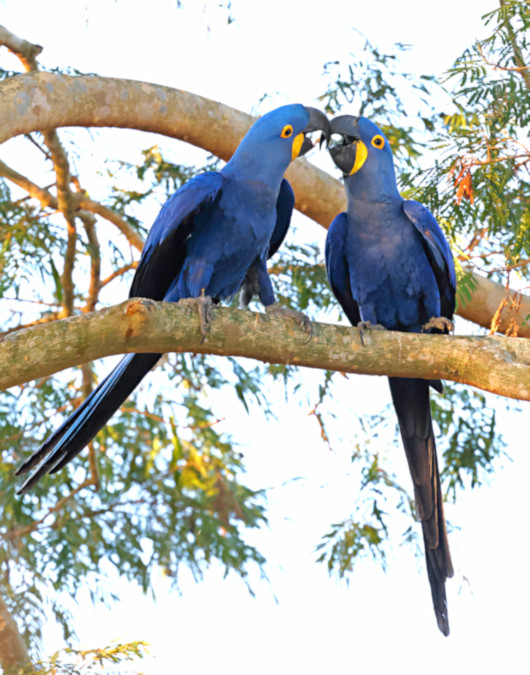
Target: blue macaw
{"x":211,"y":238}
{"x":389,"y":265}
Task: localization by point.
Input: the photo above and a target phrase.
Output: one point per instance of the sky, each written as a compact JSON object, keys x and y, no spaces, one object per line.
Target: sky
{"x":300,"y":620}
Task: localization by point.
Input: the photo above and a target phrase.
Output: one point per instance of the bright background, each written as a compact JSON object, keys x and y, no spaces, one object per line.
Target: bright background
{"x":300,"y":620}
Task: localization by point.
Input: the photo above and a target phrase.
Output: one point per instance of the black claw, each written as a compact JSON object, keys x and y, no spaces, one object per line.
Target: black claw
{"x":368,"y":325}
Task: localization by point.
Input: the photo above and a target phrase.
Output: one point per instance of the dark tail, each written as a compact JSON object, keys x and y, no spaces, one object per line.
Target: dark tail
{"x":91,"y":416}
{"x":413,"y":408}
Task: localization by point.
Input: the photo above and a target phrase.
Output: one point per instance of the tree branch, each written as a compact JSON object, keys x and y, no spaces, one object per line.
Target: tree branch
{"x":486,"y":300}
{"x":37,"y":101}
{"x":497,"y":364}
{"x":134,"y":239}
{"x":25,"y":51}
{"x":81,"y":202}
{"x":13,"y":652}
{"x":89,"y":223}
{"x":517,"y":53}
{"x":46,"y":199}
{"x":119,"y":272}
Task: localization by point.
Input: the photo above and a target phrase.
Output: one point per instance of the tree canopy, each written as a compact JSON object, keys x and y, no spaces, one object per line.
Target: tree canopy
{"x":161,"y":486}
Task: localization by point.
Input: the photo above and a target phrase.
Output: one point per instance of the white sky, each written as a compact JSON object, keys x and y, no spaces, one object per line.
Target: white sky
{"x":380,"y":622}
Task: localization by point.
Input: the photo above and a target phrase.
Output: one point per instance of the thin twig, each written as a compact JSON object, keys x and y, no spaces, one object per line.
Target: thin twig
{"x":118,"y":273}
{"x":27,"y":529}
{"x":517,"y":54}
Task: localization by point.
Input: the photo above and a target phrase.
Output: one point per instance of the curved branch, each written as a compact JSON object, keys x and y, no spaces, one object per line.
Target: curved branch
{"x":134,"y":239}
{"x":26,"y":51}
{"x":37,"y":101}
{"x":497,"y":364}
{"x":45,"y":198}
{"x":81,"y":202}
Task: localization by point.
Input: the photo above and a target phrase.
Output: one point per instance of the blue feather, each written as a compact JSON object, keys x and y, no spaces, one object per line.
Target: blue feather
{"x":388,"y":263}
{"x":205,"y":239}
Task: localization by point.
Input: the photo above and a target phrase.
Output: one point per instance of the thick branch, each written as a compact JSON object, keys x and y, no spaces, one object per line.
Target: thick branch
{"x":38,"y":101}
{"x":497,"y":364}
{"x":487,"y":298}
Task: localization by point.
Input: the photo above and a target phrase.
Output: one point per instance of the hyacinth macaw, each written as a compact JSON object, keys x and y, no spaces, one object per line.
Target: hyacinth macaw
{"x":211,"y":239}
{"x":389,"y":265}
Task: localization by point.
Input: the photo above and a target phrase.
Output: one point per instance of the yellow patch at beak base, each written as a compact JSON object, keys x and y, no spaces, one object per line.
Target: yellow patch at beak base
{"x":360,"y":157}
{"x":297,"y":145}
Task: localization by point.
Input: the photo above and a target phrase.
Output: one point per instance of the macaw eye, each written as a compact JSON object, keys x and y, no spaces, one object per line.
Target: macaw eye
{"x":378,"y":142}
{"x":287,"y":131}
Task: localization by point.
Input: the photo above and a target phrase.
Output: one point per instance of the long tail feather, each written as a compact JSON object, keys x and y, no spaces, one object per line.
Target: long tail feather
{"x":91,"y":416}
{"x":411,"y":401}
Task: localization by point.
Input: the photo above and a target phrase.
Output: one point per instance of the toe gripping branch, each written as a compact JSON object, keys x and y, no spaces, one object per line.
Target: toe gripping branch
{"x":438,"y":323}
{"x":204,"y":304}
{"x":364,"y":326}
{"x":299,"y":317}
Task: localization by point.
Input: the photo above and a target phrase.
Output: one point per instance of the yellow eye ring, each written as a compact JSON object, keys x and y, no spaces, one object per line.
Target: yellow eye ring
{"x":287,"y":131}
{"x":378,"y":142}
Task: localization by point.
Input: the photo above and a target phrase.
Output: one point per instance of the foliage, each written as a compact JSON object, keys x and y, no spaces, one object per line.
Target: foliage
{"x":27,"y":251}
{"x":163,"y":484}
{"x":479,"y":175}
{"x":471,"y":445}
{"x":80,"y":661}
{"x":374,"y":85}
{"x":474,"y":121}
{"x":159,"y":488}
{"x":482,"y":145}
{"x":366,"y":532}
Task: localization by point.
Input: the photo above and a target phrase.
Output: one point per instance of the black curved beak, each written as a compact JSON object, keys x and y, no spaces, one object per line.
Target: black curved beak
{"x":317,"y":122}
{"x":344,"y":150}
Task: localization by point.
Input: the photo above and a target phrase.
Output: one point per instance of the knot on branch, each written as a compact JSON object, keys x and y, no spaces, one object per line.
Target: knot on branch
{"x":137,"y":310}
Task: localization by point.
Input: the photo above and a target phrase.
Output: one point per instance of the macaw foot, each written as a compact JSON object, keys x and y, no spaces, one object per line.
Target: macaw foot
{"x":368,"y":326}
{"x":204,"y":308}
{"x":440,"y":323}
{"x":299,"y":317}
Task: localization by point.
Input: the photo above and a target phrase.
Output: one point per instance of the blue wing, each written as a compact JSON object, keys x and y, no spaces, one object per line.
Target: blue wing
{"x":252,"y":285}
{"x":438,"y":252}
{"x":162,"y":257}
{"x":337,"y":268}
{"x":164,"y":250}
{"x":284,"y":211}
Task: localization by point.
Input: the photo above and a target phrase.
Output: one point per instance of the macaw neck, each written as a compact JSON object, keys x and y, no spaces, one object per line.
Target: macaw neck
{"x":266,"y":168}
{"x":373,"y":184}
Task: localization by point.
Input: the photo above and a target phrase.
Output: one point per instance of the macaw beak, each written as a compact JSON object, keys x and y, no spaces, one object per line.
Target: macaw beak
{"x":349,"y":153}
{"x":317,"y":122}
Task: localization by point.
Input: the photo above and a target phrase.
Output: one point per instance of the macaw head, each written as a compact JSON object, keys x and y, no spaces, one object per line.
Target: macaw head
{"x":363,"y":154}
{"x":276,"y":139}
